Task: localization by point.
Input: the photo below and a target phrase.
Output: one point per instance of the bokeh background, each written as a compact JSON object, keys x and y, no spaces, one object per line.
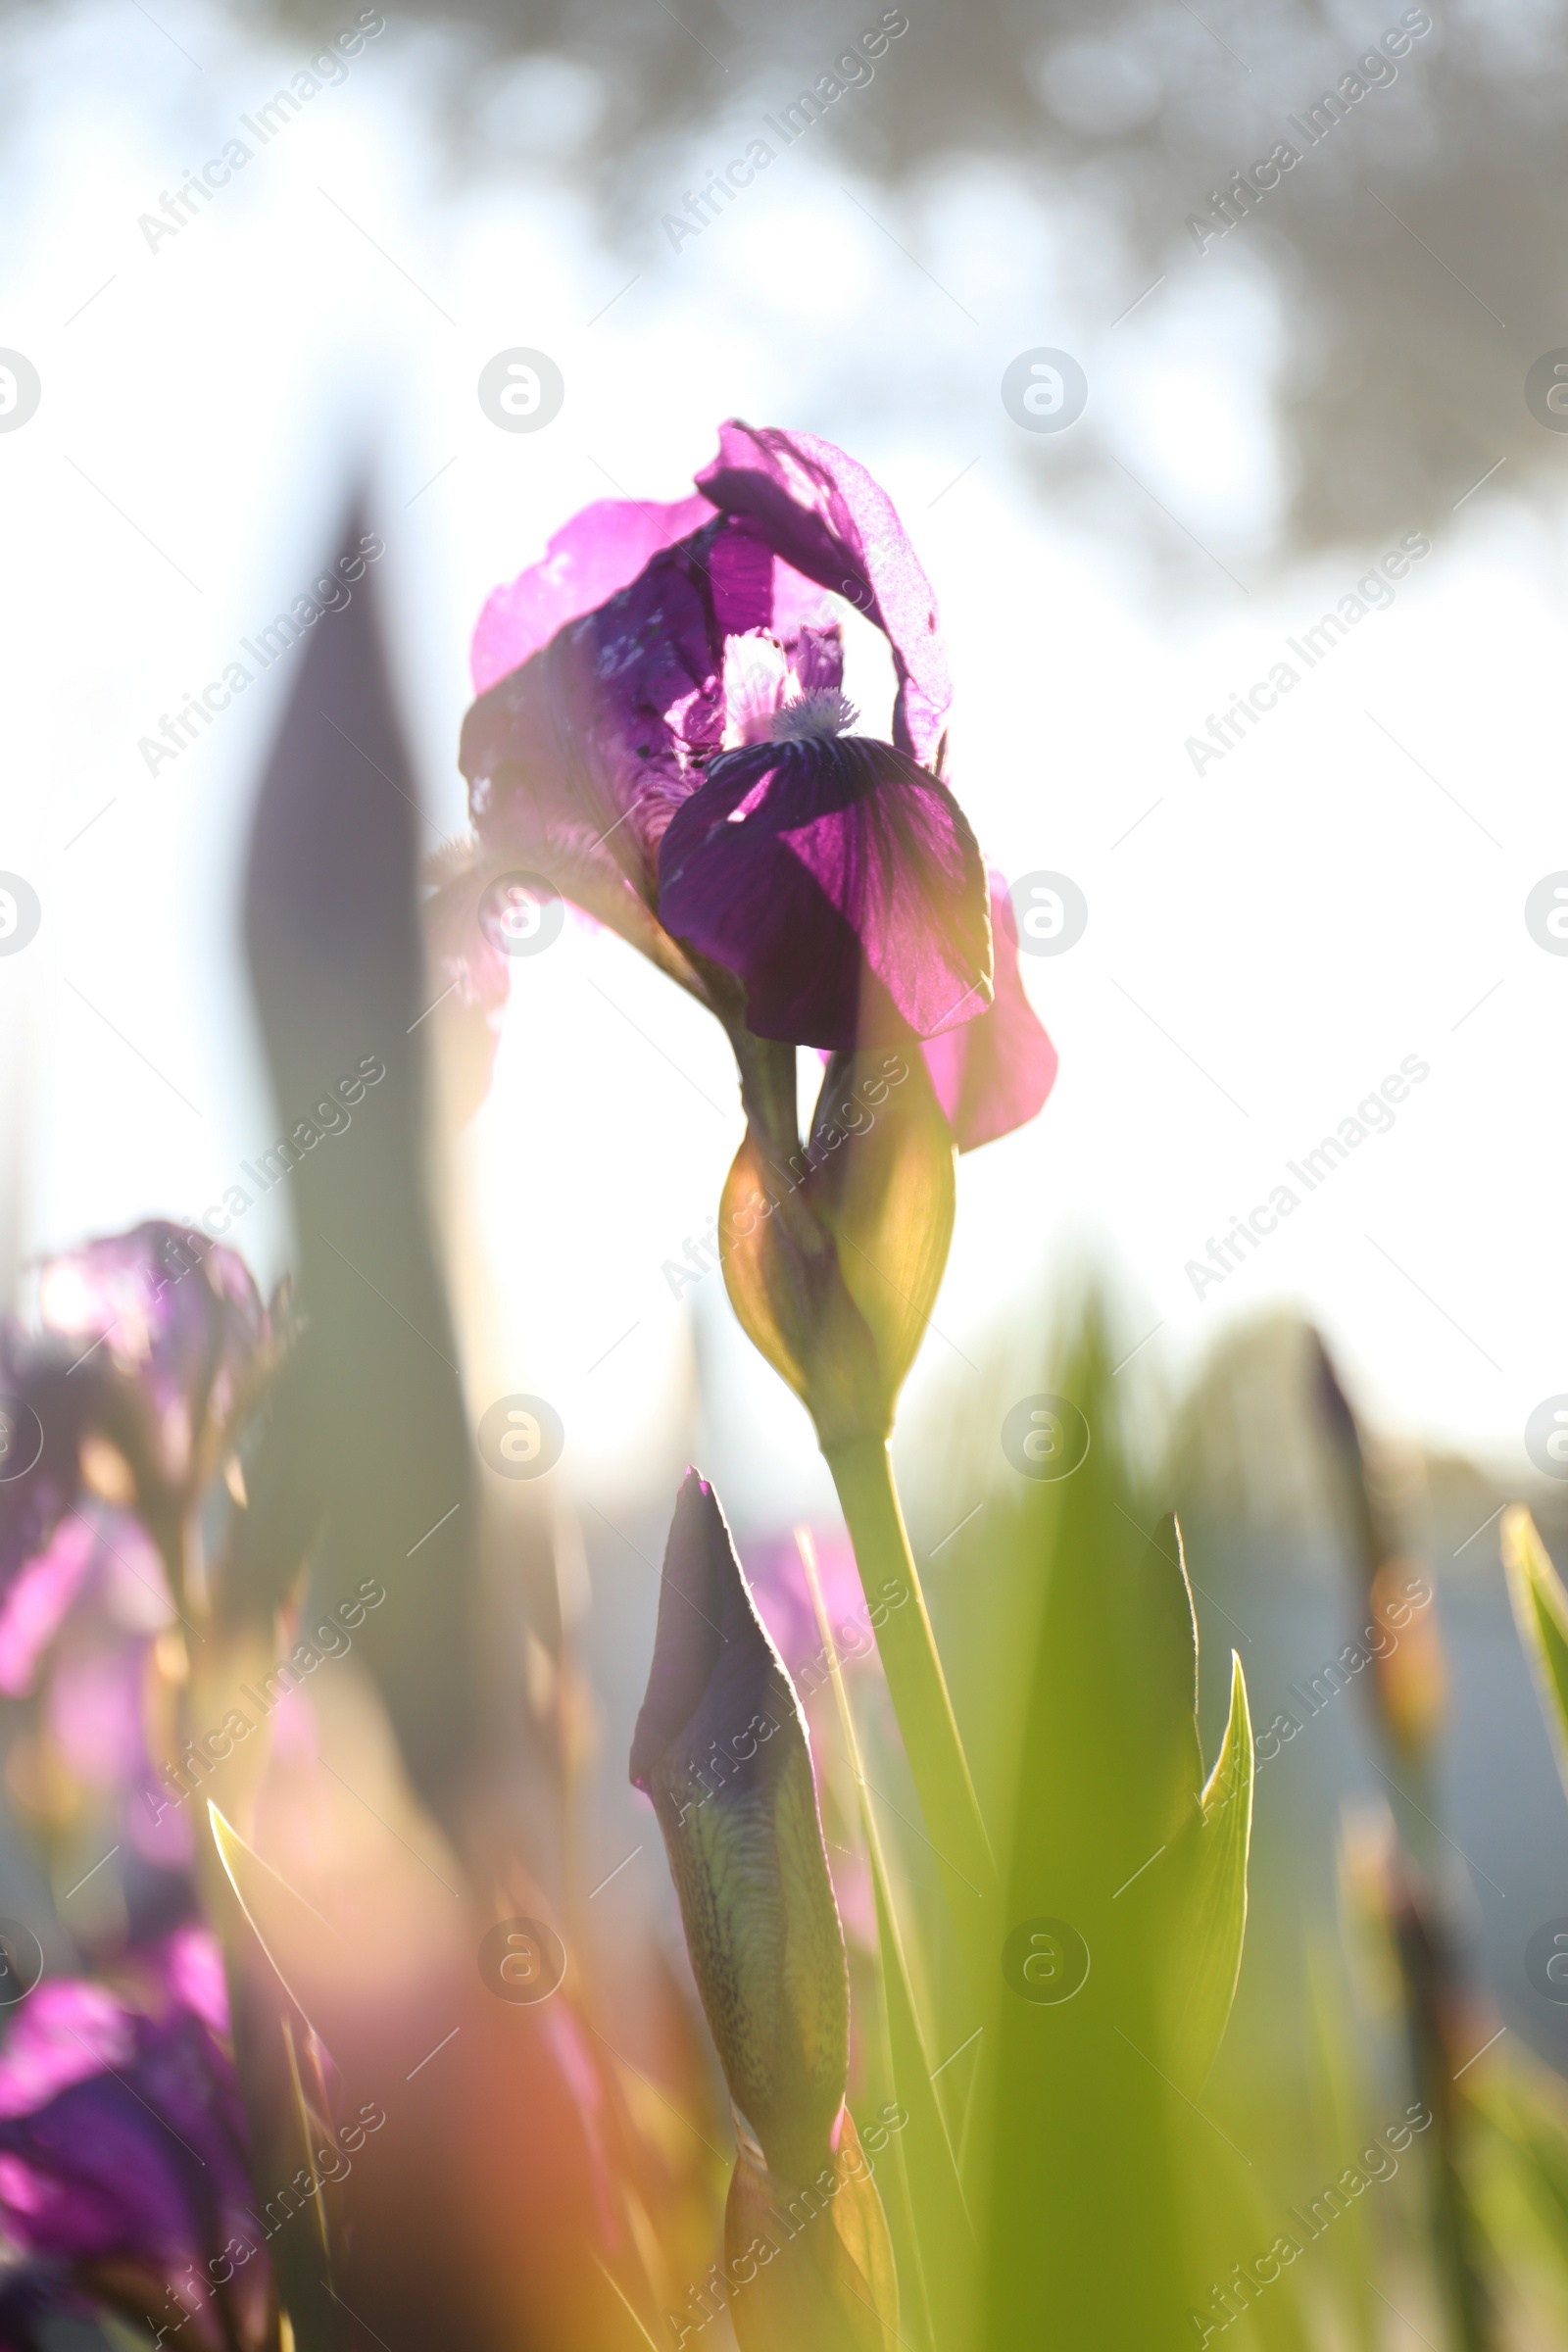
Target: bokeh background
{"x":1269,"y":933}
{"x":1265,"y":418}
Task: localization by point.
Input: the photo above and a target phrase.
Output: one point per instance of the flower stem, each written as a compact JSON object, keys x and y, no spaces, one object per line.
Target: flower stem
{"x":863,"y":1476}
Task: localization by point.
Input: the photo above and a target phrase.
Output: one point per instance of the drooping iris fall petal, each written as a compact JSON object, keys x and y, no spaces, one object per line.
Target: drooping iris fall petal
{"x":841,"y":885}
{"x":992,"y":1074}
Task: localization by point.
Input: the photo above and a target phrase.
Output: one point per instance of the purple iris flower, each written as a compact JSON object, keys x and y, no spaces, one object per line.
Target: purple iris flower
{"x":163,"y":1316}
{"x":994,"y":1074}
{"x":42,"y":1418}
{"x":148,"y":1341}
{"x":122,"y":2151}
{"x":837,"y":880}
{"x":661,"y":731}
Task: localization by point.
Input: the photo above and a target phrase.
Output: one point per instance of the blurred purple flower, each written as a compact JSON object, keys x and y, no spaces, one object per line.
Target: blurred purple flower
{"x":42,"y":1417}
{"x":784,"y":1602}
{"x":36,"y":1599}
{"x":95,"y":1713}
{"x":132,"y":1361}
{"x":97,"y":1557}
{"x":123,"y":2146}
{"x":163,"y":1327}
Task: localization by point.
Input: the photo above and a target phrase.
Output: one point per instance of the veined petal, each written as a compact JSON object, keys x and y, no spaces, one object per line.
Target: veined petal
{"x":588,"y":747}
{"x":841,"y":885}
{"x":597,"y":553}
{"x":993,"y":1073}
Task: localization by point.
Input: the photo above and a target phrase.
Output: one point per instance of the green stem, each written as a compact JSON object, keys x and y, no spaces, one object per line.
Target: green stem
{"x":863,"y":1476}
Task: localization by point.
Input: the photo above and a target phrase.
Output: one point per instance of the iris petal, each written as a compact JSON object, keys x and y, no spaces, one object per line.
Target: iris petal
{"x":822,"y":513}
{"x":594,"y":555}
{"x":994,"y":1074}
{"x":849,"y":899}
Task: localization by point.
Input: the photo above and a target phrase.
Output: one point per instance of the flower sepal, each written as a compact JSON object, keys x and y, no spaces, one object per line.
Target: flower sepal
{"x":833,"y":1257}
{"x":811,"y":2265}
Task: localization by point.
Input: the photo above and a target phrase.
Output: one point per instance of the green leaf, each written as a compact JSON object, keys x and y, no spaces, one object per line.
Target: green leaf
{"x":1106,"y":2196}
{"x":940,"y":2216}
{"x":283,"y":2127}
{"x":1344,"y":2121}
{"x":1214,"y":1910}
{"x":1540,"y":1612}
{"x":1522,"y":2107}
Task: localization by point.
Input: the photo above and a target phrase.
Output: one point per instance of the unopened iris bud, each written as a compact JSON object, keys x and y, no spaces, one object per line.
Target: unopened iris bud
{"x":833,"y":1272}
{"x":721,"y":1749}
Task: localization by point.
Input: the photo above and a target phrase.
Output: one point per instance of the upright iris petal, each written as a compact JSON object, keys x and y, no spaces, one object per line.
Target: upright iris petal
{"x":590,"y":560}
{"x":840,"y":882}
{"x":822,"y":515}
{"x":579,"y":755}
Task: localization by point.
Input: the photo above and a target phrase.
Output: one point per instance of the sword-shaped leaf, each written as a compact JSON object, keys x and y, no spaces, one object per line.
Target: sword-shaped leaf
{"x":1540,"y":1612}
{"x":367,"y":1458}
{"x":1117,"y":1953}
{"x":1213,"y":1918}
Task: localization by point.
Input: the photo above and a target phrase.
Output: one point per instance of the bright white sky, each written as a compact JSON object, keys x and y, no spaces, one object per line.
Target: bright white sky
{"x":1269,"y":942}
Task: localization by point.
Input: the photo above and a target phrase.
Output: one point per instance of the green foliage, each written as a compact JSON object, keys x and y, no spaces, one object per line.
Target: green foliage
{"x":1105,"y":2189}
{"x":929,"y":2218}
{"x":1541,"y":1611}
{"x":1211,"y":1855}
